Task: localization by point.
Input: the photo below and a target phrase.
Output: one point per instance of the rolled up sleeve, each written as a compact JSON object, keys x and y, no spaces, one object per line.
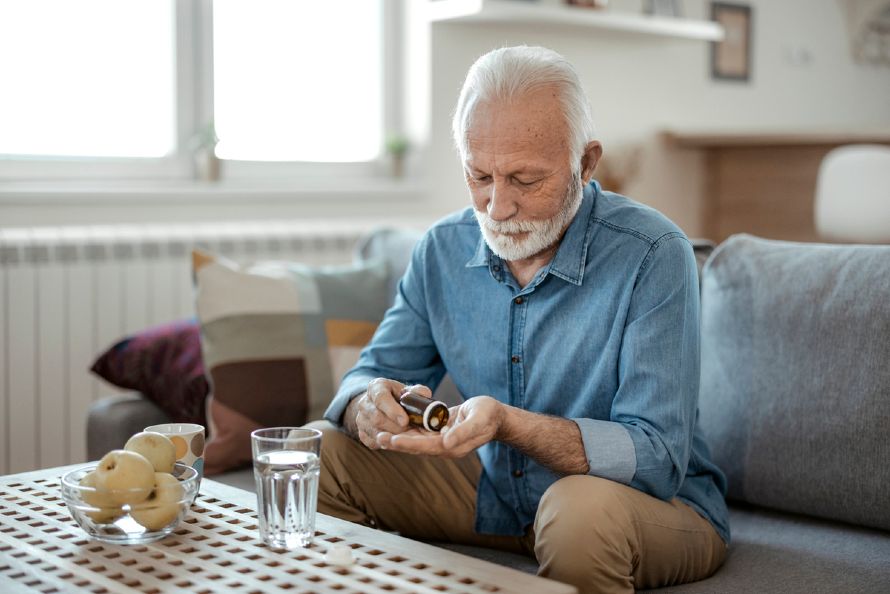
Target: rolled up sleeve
{"x":609,"y":449}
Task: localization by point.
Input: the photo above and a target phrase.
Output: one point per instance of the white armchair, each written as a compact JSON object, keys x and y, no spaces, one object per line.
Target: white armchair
{"x":853,"y":194}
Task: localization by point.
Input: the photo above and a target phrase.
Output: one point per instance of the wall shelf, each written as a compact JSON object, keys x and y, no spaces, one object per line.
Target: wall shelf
{"x":753,"y":138}
{"x":527,"y":12}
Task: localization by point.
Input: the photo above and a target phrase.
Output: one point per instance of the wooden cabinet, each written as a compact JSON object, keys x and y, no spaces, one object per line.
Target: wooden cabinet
{"x":763,"y":184}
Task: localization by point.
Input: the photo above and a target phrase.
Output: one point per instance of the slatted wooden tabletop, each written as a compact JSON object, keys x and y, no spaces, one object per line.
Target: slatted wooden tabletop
{"x":217,"y":550}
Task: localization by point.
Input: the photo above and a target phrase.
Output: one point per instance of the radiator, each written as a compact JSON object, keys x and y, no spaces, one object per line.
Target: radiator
{"x":67,"y":293}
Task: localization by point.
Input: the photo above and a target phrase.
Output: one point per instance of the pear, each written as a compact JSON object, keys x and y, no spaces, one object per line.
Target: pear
{"x":108,"y":510}
{"x":156,"y":447}
{"x":126,"y":476}
{"x":162,"y":505}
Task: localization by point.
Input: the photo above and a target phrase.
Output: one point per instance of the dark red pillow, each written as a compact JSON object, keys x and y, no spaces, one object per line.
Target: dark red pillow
{"x":165,"y":364}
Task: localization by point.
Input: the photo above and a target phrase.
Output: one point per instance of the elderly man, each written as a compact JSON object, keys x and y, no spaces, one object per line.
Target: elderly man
{"x":568,"y":318}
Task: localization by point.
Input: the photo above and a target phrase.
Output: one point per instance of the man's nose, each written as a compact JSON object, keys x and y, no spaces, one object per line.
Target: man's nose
{"x":501,"y":205}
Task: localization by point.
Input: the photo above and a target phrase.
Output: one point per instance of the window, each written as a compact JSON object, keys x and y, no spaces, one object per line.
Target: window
{"x":296,"y":81}
{"x":92,"y":78}
{"x":124,"y":89}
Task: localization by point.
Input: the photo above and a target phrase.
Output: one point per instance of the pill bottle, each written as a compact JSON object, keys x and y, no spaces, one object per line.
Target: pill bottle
{"x":427,"y":413}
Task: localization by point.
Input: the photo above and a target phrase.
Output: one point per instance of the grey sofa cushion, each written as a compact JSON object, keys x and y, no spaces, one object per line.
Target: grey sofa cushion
{"x":112,"y":420}
{"x":777,"y":552}
{"x":795,"y":393}
{"x":394,"y":247}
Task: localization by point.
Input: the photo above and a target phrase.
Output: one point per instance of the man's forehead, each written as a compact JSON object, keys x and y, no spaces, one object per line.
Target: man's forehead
{"x":512,"y":126}
{"x":517,"y":116}
{"x":481,"y":160}
{"x":522,"y":147}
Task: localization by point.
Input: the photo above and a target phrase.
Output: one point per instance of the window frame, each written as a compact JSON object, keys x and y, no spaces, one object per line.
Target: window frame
{"x":194,"y":105}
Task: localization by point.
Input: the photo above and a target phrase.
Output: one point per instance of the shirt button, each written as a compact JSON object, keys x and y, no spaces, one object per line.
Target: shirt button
{"x":517,"y":473}
{"x":515,"y":358}
{"x":518,"y":301}
{"x":496,"y":268}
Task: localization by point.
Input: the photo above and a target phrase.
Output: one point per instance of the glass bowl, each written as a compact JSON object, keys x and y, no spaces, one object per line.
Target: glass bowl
{"x":153,"y":517}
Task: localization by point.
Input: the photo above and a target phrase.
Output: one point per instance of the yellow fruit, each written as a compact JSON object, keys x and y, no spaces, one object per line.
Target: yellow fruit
{"x":107,"y":511}
{"x":162,"y":506}
{"x":126,"y":476}
{"x":156,"y":447}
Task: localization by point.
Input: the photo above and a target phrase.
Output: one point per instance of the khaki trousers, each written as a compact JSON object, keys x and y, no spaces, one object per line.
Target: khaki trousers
{"x":596,"y":534}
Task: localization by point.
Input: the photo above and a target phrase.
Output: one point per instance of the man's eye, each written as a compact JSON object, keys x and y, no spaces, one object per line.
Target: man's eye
{"x":526,"y":182}
{"x":482,"y":178}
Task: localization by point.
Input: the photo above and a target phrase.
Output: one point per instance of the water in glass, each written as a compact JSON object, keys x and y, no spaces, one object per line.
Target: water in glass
{"x":287,"y":491}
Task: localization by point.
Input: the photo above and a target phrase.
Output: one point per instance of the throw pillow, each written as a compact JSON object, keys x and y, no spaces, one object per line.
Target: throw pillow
{"x":276,"y":338}
{"x":164,"y":364}
{"x":794,"y":378}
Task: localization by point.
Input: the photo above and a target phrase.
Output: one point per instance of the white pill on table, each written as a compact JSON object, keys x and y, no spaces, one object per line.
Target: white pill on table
{"x":339,"y":554}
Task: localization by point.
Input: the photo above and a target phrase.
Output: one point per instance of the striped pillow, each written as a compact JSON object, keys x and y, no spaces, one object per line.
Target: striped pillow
{"x":277,"y":338}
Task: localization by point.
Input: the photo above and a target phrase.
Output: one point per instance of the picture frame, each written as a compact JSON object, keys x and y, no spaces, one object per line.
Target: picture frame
{"x":731,"y":58}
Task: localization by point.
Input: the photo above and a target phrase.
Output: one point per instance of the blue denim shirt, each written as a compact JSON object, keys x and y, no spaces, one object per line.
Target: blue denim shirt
{"x":607,"y":334}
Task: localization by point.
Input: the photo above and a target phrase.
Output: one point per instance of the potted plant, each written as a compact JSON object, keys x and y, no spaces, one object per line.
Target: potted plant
{"x":397,"y":147}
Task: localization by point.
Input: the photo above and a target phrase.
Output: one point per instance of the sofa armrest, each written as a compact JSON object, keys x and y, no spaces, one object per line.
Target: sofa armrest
{"x":112,"y":420}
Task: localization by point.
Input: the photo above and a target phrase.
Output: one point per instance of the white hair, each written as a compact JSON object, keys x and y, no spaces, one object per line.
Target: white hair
{"x":511,"y":72}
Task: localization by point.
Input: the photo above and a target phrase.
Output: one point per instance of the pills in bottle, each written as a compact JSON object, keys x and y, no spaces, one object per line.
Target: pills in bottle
{"x":427,"y":413}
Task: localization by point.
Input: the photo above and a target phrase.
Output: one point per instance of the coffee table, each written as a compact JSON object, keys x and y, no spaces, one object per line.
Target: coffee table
{"x":216,"y":549}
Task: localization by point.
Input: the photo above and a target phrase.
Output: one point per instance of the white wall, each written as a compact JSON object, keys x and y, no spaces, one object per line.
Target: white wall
{"x":638,"y":84}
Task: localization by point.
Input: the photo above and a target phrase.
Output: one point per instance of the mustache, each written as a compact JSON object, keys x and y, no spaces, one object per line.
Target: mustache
{"x":508,"y":227}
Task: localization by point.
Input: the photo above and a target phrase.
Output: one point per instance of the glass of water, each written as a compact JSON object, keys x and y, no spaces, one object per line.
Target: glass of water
{"x":285,"y":467}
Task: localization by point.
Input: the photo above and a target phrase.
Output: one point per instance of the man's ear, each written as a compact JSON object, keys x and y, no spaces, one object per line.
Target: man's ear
{"x":592,"y":154}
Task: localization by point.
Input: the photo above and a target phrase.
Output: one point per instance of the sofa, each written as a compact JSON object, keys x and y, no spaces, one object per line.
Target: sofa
{"x":794,"y":403}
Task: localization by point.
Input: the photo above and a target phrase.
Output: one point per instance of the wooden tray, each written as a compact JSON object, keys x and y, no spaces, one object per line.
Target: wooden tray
{"x":217,"y":550}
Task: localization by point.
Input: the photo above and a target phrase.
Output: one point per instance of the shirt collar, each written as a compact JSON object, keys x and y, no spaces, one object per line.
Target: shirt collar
{"x":568,"y":263}
{"x":482,"y":254}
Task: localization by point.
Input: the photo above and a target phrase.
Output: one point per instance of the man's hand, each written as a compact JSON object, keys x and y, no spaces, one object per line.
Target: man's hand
{"x":470,"y":425}
{"x":380,"y":422}
{"x":553,"y":441}
{"x":377,"y":412}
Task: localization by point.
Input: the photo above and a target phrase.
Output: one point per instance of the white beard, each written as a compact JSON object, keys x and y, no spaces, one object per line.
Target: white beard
{"x":540,"y":234}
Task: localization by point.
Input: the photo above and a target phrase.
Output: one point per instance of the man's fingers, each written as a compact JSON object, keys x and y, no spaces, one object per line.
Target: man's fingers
{"x":458,"y":433}
{"x":429,"y":444}
{"x":419,"y":389}
{"x":381,"y":422}
{"x":367,"y":440}
{"x":465,"y":447}
{"x":384,"y":394}
{"x":468,"y":431}
{"x":383,"y":439}
{"x":432,"y":444}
